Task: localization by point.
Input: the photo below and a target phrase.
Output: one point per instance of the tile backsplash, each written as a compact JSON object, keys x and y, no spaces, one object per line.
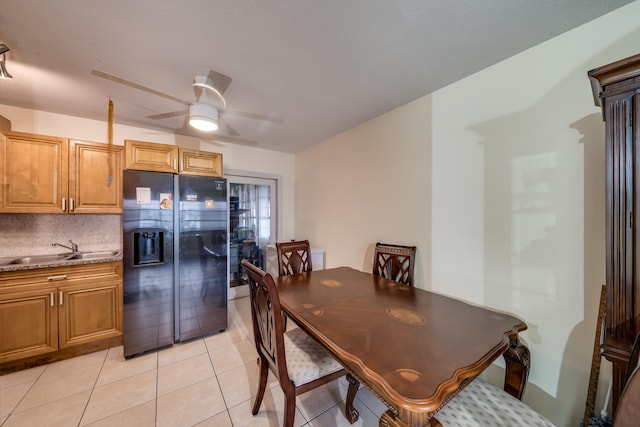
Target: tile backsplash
{"x":33,"y":234}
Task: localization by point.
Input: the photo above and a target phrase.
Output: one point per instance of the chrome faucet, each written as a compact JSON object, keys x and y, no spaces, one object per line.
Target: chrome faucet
{"x":73,"y":248}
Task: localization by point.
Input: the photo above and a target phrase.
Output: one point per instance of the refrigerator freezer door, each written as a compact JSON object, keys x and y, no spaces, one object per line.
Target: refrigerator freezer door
{"x":148,"y":261}
{"x":202,"y":257}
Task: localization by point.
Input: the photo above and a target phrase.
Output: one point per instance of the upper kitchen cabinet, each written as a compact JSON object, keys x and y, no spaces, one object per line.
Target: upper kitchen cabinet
{"x":150,"y":156}
{"x":202,"y":163}
{"x":35,"y":173}
{"x":43,"y":174}
{"x":95,"y":177}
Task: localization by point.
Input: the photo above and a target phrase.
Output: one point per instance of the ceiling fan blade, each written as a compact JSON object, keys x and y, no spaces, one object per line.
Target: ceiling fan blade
{"x":274,"y":119}
{"x":232,"y":140}
{"x":187,"y":130}
{"x":167,"y":115}
{"x":230,"y":130}
{"x":220,"y":81}
{"x":117,"y":79}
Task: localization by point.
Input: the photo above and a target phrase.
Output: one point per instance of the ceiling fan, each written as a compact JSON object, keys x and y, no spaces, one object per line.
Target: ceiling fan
{"x":206,"y":111}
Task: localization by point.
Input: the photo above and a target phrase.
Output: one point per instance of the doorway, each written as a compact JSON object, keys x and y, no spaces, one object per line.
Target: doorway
{"x":252,"y":227}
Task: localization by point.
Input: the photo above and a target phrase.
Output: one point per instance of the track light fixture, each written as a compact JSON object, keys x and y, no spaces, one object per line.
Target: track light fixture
{"x":4,"y":74}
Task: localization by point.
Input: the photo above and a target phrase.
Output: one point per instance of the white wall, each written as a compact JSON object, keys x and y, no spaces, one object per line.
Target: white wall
{"x":235,"y":157}
{"x":499,"y":181}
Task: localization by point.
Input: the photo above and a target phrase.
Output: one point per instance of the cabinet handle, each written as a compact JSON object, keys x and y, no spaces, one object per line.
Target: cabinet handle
{"x":175,"y":164}
{"x":71,"y":204}
{"x":60,"y":277}
{"x":64,"y":204}
{"x":60,"y":297}
{"x":51,"y":298}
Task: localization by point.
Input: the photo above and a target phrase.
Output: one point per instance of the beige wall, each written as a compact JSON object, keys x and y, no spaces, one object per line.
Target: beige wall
{"x":236,"y":158}
{"x":499,"y":181}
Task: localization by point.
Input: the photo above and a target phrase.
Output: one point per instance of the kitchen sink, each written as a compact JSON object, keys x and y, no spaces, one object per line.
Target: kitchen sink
{"x":45,"y":259}
{"x":41,"y":259}
{"x":93,"y":255}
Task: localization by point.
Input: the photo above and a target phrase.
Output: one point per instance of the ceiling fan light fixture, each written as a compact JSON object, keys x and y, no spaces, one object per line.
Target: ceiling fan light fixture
{"x":203,"y":117}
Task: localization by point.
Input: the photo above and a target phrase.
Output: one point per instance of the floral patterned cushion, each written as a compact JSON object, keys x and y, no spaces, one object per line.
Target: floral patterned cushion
{"x":306,"y":359}
{"x":482,"y":404}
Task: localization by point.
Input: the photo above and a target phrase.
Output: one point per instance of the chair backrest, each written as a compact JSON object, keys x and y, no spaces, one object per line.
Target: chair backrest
{"x":266,"y":316}
{"x":294,"y":257}
{"x":394,"y":262}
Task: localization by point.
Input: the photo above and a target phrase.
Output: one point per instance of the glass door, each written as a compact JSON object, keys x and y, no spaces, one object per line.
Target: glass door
{"x":252,"y":227}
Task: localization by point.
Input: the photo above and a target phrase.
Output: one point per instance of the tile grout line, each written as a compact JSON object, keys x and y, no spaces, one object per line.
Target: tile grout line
{"x":86,"y":405}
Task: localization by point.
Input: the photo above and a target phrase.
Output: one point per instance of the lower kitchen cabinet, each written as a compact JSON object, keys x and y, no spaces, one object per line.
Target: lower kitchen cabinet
{"x":28,"y":323}
{"x":47,"y":310}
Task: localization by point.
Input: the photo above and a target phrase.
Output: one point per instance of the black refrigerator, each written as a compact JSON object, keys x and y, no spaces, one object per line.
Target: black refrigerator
{"x":174,"y":258}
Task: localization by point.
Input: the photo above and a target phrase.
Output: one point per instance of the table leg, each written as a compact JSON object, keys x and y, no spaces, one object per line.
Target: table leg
{"x":389,"y":419}
{"x":351,"y":412}
{"x":518,"y":361}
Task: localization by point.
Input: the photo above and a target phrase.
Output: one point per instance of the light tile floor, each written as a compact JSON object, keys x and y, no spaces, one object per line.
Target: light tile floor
{"x":205,"y":382}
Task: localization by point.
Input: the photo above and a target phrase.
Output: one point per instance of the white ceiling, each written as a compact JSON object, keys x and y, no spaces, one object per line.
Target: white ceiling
{"x":320,"y":66}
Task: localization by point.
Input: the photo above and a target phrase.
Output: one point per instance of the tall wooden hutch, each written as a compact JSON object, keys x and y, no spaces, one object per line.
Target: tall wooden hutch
{"x":616,"y":87}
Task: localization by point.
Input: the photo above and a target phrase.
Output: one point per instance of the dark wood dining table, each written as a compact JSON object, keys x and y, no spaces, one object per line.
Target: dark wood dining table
{"x":414,"y":349}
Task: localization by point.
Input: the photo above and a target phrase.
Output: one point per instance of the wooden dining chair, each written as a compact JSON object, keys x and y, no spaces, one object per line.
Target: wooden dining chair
{"x":294,"y":257}
{"x":481,"y":404}
{"x":298,"y":361}
{"x":628,"y":411}
{"x":394,"y":262}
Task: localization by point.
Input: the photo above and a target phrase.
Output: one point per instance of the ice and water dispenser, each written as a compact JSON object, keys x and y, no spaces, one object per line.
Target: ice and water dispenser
{"x":148,"y":247}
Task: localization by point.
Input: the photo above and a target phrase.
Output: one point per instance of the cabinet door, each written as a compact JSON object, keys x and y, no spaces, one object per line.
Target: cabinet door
{"x":35,"y":173}
{"x":201,"y":163}
{"x":89,"y":312}
{"x":149,"y":156}
{"x":28,"y":324}
{"x":95,"y":177}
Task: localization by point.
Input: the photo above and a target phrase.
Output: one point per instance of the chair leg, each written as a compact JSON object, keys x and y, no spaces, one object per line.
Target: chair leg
{"x":262,"y":385}
{"x":350,"y":411}
{"x":289,"y":408}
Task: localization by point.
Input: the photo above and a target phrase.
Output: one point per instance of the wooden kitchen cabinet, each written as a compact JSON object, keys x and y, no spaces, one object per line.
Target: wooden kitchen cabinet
{"x":201,"y":163}
{"x":45,"y":310}
{"x":35,"y":173}
{"x":150,"y":156}
{"x":95,"y":177}
{"x":42,"y":174}
{"x":28,"y":323}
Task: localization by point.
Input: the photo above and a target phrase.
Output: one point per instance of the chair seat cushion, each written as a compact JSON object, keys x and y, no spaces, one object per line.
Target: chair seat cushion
{"x":482,"y":404}
{"x":306,"y":359}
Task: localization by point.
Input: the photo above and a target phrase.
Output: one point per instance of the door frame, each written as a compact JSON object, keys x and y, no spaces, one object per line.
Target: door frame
{"x":255,"y":178}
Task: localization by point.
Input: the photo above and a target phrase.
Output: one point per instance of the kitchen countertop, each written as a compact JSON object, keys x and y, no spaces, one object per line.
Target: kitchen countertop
{"x":6,"y":265}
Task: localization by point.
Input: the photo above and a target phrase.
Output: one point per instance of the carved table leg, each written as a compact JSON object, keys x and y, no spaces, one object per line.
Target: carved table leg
{"x":389,"y":419}
{"x":517,"y":358}
{"x":351,"y":412}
